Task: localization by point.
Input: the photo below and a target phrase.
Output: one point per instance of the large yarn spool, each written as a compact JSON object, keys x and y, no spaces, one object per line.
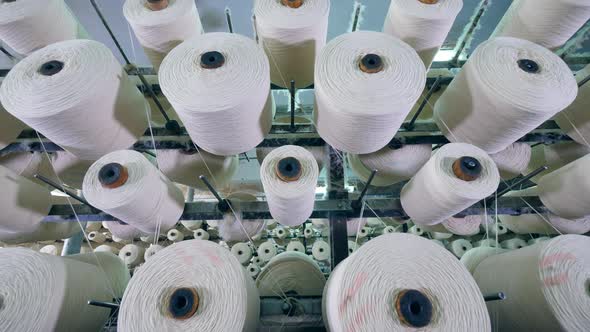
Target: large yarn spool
{"x":189,"y":286}
{"x":291,"y":273}
{"x":574,"y":120}
{"x":549,"y":23}
{"x":236,"y":229}
{"x":132,"y":255}
{"x":473,"y":257}
{"x":365,"y":85}
{"x":289,"y":175}
{"x":424,"y":25}
{"x":160,"y":30}
{"x":69,"y":168}
{"x":457,"y":176}
{"x":10,"y":128}
{"x":555,"y":156}
{"x":546,"y":286}
{"x":459,"y":247}
{"x":219,"y":85}
{"x":513,"y":160}
{"x":46,"y":231}
{"x":48,"y":293}
{"x":292,"y":36}
{"x":513,"y":243}
{"x":123,"y":231}
{"x":28,"y":164}
{"x":320,"y":153}
{"x":28,"y":25}
{"x":507,"y":88}
{"x":266,"y":251}
{"x":399,"y":282}
{"x":393,"y":163}
{"x":468,"y":225}
{"x":128,"y":187}
{"x":73,"y":92}
{"x":24,"y":203}
{"x":320,"y":250}
{"x":185,"y":167}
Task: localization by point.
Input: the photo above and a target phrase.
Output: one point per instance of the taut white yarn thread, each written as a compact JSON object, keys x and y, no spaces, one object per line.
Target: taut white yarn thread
{"x":28,"y":25}
{"x":10,"y":128}
{"x":132,"y":255}
{"x":151,"y":251}
{"x":175,"y":235}
{"x":160,"y":31}
{"x":243,"y":252}
{"x":359,"y":112}
{"x":555,"y":156}
{"x":290,"y":203}
{"x":233,"y":227}
{"x":514,"y":243}
{"x":24,"y":203}
{"x":147,"y":200}
{"x":460,"y":247}
{"x":447,"y":195}
{"x":507,"y":88}
{"x":473,"y":257}
{"x":574,"y":120}
{"x":423,"y":26}
{"x":97,"y":237}
{"x":266,"y":251}
{"x":393,"y":164}
{"x":226,"y":110}
{"x":219,"y":280}
{"x":321,"y":250}
{"x":513,"y":160}
{"x":552,"y":277}
{"x":124,"y":231}
{"x":292,"y":38}
{"x":549,"y":23}
{"x":362,"y":291}
{"x":83,"y":94}
{"x":291,"y":272}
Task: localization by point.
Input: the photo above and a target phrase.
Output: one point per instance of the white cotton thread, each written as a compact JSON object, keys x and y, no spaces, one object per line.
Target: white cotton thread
{"x":513,"y":243}
{"x":253,"y":270}
{"x":296,"y":245}
{"x":513,"y":160}
{"x":266,"y":251}
{"x":97,"y":237}
{"x":132,"y":255}
{"x":201,"y":234}
{"x":320,"y":250}
{"x":175,"y":235}
{"x":211,"y":102}
{"x":573,"y":120}
{"x":321,"y":154}
{"x":108,"y":248}
{"x":481,"y":108}
{"x":459,"y":247}
{"x":243,"y":252}
{"x":360,"y":112}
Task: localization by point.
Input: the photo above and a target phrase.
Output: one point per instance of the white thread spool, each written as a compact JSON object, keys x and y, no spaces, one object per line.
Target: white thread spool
{"x":266,"y":251}
{"x":424,"y":25}
{"x":296,"y":245}
{"x":127,"y":186}
{"x":549,"y":23}
{"x":201,"y":234}
{"x":97,"y":237}
{"x":280,"y":232}
{"x":364,"y":232}
{"x":487,"y":243}
{"x":513,"y":160}
{"x":468,"y":225}
{"x":46,"y":231}
{"x":159,"y":31}
{"x":367,"y":284}
{"x":192,"y":225}
{"x":253,"y":270}
{"x":93,"y":226}
{"x":320,"y":250}
{"x":441,"y":235}
{"x":186,"y":166}
{"x":498,"y":229}
{"x":124,"y":231}
{"x":308,"y":232}
{"x":513,"y":244}
{"x":132,"y":255}
{"x":365,"y":85}
{"x":44,"y":285}
{"x":573,"y":120}
{"x":289,"y":175}
{"x":10,"y":128}
{"x":200,"y":273}
{"x":355,"y":225}
{"x":555,"y":156}
{"x":151,"y":238}
{"x":474,"y":256}
{"x":460,"y":247}
{"x":481,"y":108}
{"x":393,"y":164}
{"x":291,"y":271}
{"x":243,"y":252}
{"x":232,"y":229}
{"x":546,"y":223}
{"x":352,"y":247}
{"x":107,"y":248}
{"x":292,"y":37}
{"x":28,"y":25}
{"x":416,"y":230}
{"x":457,"y":176}
{"x":175,"y":235}
{"x":151,"y":251}
{"x":24,"y":203}
{"x":552,"y":277}
{"x":69,"y":168}
{"x":320,"y":153}
{"x":47,"y":92}
{"x":537,"y":240}
{"x":224,"y":88}
{"x":52,"y":249}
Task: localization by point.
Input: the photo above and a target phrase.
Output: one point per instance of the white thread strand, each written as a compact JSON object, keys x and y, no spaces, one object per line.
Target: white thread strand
{"x":513,"y":160}
{"x":574,"y":120}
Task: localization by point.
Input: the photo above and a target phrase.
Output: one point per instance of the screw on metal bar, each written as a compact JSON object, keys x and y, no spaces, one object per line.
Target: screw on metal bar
{"x":61,"y":188}
{"x":223,"y":204}
{"x":410,"y":125}
{"x":355,"y":22}
{"x":292,"y":92}
{"x":519,"y":182}
{"x":359,"y":202}
{"x":584,"y":81}
{"x":228,"y":18}
{"x":103,"y":304}
{"x":495,"y":297}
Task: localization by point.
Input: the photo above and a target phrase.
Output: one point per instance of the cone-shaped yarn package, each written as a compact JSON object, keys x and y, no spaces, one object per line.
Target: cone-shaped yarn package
{"x":393,"y":164}
{"x":289,"y":175}
{"x":28,"y":164}
{"x":219,"y":85}
{"x":28,"y":25}
{"x":549,"y":23}
{"x":46,"y":231}
{"x":146,"y":200}
{"x":365,"y":85}
{"x":24,"y":203}
{"x":575,"y":120}
{"x":507,"y":88}
{"x":436,"y":193}
{"x":233,"y":227}
{"x":124,"y":231}
{"x":69,"y":168}
{"x":291,"y":271}
{"x":132,"y":255}
{"x":77,"y":95}
{"x":421,"y":24}
{"x":321,"y":154}
{"x":513,"y":160}
{"x":159,"y":31}
{"x":468,"y":225}
{"x":292,"y":38}
{"x":555,"y":156}
{"x":474,"y":256}
{"x":546,"y":284}
{"x":201,"y":272}
{"x":363,"y":290}
{"x":50,"y":293}
{"x":513,"y":243}
{"x":10,"y":128}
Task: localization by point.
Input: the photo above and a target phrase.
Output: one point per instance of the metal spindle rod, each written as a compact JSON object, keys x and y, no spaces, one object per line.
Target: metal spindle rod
{"x":152,"y":94}
{"x":355,"y":22}
{"x":410,"y":125}
{"x":494,"y":297}
{"x":246,"y":155}
{"x":292,"y":92}
{"x":537,"y":144}
{"x":436,"y":147}
{"x":228,"y":18}
{"x":149,"y":153}
{"x":358,"y":203}
{"x":584,"y":81}
{"x":211,"y":188}
{"x":106,"y":25}
{"x":519,"y":182}
{"x":103,"y":304}
{"x":3,"y":50}
{"x":61,"y":188}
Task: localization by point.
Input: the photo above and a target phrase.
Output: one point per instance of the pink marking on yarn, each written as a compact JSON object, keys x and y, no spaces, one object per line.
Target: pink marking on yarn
{"x":359,"y":280}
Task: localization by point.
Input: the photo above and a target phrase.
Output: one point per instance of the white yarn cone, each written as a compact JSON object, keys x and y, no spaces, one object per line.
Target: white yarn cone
{"x":46,"y":231}
{"x":160,"y":31}
{"x":492,"y":102}
{"x":469,"y":225}
{"x":320,"y":153}
{"x":513,"y":160}
{"x":132,"y":255}
{"x":555,"y":156}
{"x":546,"y":284}
{"x":72,"y":109}
{"x":124,"y":231}
{"x":497,"y":229}
{"x":97,"y":237}
{"x":175,"y":235}
{"x":253,"y":270}
{"x":416,"y":230}
{"x":266,"y":251}
{"x":192,"y":225}
{"x":151,"y":251}
{"x":445,"y":193}
{"x":52,"y":249}
{"x":69,"y":169}
{"x":473,"y":257}
{"x":360,"y":112}
{"x":108,"y":249}
{"x":243,"y":252}
{"x":393,"y":164}
{"x":362,"y":291}
{"x":320,"y":250}
{"x":93,"y":226}
{"x":291,"y":272}
{"x":549,"y":23}
{"x":296,"y":245}
{"x":422,"y":25}
{"x":574,"y":120}
{"x":291,"y":38}
{"x":201,"y":234}
{"x":221,"y":283}
{"x":290,"y":202}
{"x":28,"y":25}
{"x":352,"y":247}
{"x":513,"y":244}
{"x":460,"y":247}
{"x":10,"y":128}
{"x":236,"y":229}
{"x":147,"y":200}
{"x":487,"y":243}
{"x":24,"y":203}
{"x":213,"y":102}
{"x":354,"y":225}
